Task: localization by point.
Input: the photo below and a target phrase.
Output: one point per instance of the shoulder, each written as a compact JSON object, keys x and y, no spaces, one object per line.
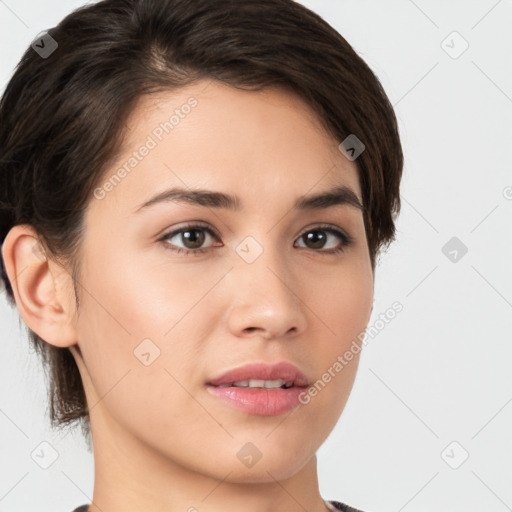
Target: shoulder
{"x":341,"y":506}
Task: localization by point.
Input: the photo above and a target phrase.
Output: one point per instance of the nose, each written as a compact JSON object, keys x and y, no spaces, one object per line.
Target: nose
{"x":266,"y":297}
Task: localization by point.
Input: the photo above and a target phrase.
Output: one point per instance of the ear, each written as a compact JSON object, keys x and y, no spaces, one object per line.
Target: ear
{"x":40,"y":287}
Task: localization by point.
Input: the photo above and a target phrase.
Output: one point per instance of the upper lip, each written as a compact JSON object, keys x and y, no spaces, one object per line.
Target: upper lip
{"x":263,"y":371}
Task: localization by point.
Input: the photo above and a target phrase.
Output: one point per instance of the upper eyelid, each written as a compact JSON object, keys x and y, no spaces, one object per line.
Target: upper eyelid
{"x":191,"y":225}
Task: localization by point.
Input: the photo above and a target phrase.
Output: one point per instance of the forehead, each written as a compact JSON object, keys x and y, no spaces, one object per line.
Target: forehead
{"x":211,"y":135}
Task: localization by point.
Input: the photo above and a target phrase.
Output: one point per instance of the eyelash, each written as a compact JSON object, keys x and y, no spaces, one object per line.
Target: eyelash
{"x":346,"y":239}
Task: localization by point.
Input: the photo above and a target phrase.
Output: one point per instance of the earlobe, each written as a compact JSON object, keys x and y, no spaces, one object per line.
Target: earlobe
{"x":37,"y":287}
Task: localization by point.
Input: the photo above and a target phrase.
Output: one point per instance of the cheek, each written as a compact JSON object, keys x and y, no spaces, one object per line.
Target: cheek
{"x":155,"y":314}
{"x":143,"y":319}
{"x":344,"y":309}
{"x":134,"y":300}
{"x":344,"y":302}
{"x":137,"y":342}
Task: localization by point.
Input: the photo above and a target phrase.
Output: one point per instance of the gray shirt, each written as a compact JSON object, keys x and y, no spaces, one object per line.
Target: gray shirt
{"x":336,"y":504}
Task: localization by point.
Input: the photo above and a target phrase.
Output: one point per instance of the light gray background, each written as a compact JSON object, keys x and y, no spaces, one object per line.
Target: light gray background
{"x":441,"y":370}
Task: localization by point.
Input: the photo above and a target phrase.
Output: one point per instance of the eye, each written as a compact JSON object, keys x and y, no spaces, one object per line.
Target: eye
{"x":317,"y":237}
{"x":192,"y":236}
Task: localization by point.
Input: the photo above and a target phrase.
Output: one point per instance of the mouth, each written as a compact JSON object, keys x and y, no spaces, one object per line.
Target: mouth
{"x":260,"y":389}
{"x":262,"y":375}
{"x":259,"y":384}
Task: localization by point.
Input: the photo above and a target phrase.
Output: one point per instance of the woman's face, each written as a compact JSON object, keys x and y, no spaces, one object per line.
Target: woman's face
{"x":262,"y":283}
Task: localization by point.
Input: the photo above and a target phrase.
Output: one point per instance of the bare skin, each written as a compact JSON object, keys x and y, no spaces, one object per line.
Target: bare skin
{"x":161,"y":441}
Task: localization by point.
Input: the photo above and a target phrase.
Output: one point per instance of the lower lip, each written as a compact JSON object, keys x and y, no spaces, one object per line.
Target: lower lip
{"x":263,"y":402}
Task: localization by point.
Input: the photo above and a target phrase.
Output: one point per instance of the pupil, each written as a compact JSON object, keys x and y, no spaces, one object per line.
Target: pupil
{"x":190,"y":236}
{"x":317,"y":237}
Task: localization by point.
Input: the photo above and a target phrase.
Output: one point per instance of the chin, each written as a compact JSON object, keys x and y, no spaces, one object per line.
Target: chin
{"x":275,"y":466}
{"x":262,"y":475}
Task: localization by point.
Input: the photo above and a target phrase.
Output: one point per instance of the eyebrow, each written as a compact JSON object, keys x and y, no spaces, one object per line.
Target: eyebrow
{"x":340,"y":195}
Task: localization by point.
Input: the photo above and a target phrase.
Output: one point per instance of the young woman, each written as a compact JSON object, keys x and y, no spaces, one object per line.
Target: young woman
{"x":193,"y":198}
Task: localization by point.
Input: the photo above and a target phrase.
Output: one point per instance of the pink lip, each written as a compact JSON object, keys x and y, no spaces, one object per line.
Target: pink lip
{"x":262,"y":371}
{"x":263,"y":402}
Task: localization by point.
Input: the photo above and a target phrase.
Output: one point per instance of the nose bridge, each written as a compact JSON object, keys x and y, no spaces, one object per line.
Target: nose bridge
{"x":258,"y":262}
{"x":264,"y":294}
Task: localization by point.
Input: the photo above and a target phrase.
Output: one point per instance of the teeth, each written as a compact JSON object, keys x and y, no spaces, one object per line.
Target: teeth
{"x":254,"y":383}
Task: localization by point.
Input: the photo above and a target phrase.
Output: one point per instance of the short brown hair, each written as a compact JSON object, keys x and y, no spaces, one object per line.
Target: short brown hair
{"x":62,"y":117}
